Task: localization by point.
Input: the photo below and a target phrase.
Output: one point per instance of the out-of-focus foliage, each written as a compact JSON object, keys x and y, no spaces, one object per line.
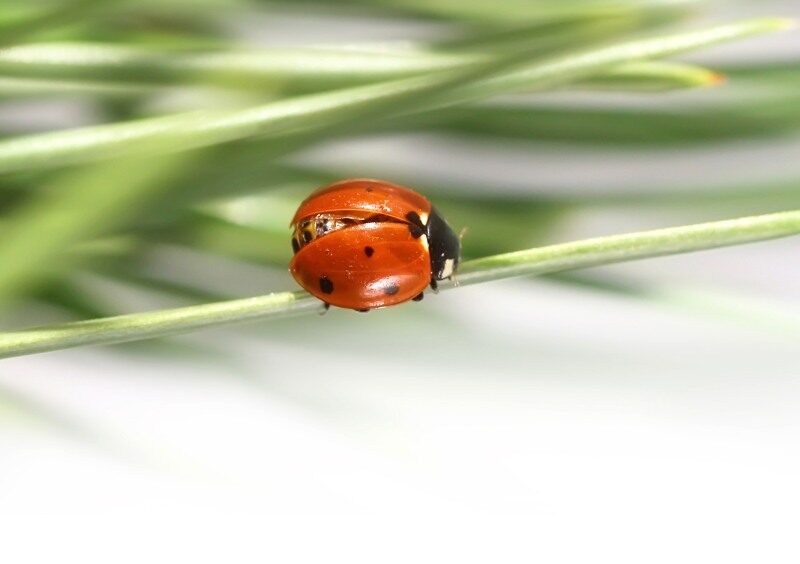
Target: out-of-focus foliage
{"x":158,"y":80}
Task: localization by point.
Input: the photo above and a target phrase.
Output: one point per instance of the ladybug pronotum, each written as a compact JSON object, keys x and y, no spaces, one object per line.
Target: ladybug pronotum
{"x":363,"y":244}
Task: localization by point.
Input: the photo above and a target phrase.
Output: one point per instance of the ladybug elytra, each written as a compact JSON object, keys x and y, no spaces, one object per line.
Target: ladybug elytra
{"x":363,"y":244}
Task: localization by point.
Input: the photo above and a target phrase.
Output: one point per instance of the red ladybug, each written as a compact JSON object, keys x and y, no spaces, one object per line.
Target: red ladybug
{"x":363,"y":244}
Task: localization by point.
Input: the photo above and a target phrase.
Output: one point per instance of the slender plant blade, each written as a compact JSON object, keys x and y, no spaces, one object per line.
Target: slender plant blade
{"x":653,"y":76}
{"x":514,"y":11}
{"x":319,"y":111}
{"x":292,"y":69}
{"x":59,"y":14}
{"x":76,"y":207}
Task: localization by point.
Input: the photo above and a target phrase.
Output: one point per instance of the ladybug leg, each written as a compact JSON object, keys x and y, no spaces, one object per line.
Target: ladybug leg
{"x":434,"y":286}
{"x":325,"y":307}
{"x":365,"y":310}
{"x":418,"y":297}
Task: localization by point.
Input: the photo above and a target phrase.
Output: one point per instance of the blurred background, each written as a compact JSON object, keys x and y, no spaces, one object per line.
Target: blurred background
{"x":645,"y":410}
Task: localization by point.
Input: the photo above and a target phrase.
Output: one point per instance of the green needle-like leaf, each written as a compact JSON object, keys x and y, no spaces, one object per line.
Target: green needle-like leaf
{"x":28,"y":88}
{"x":620,"y":248}
{"x":514,"y":11}
{"x":320,"y":111}
{"x":270,"y":67}
{"x":654,"y":76}
{"x":61,"y":13}
{"x":555,"y":258}
{"x":289,"y":70}
{"x":74,"y":208}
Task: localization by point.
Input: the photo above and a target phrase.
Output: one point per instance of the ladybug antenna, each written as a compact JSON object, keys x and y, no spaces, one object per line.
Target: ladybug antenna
{"x":462,"y":233}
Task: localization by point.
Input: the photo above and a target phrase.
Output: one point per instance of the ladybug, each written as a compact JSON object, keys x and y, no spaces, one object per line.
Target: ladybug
{"x":363,"y":244}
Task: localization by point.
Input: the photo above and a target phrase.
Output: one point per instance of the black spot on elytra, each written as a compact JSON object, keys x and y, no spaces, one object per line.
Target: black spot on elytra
{"x":391,"y":289}
{"x":325,"y":285}
{"x":369,"y":251}
{"x":295,"y":245}
{"x":418,"y":297}
{"x":416,"y":230}
{"x":370,"y":188}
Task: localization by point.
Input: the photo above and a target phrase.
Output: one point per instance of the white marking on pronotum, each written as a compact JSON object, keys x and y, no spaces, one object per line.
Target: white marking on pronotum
{"x":449,"y":265}
{"x":424,"y":218}
{"x":423,"y":240}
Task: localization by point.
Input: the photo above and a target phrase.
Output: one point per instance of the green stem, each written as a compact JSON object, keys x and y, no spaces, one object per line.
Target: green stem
{"x":632,"y":246}
{"x":60,"y":14}
{"x":555,"y":258}
{"x":108,"y":68}
{"x":359,"y":104}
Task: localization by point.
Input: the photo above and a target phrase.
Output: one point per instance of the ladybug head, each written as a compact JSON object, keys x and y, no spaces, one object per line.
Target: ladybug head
{"x":444,"y":246}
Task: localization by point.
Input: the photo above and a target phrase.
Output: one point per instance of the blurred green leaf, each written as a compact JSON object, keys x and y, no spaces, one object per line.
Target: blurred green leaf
{"x":514,"y":11}
{"x":653,"y":76}
{"x":291,"y":69}
{"x":273,"y":68}
{"x":75,"y":207}
{"x":58,"y":14}
{"x":86,"y":68}
{"x":739,"y":117}
{"x":323,"y":111}
{"x":30,"y":88}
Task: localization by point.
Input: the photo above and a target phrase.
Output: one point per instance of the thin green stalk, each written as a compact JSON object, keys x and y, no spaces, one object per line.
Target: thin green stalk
{"x":555,"y":258}
{"x":286,"y":70}
{"x":72,"y":209}
{"x":624,"y":126}
{"x":320,"y":111}
{"x":60,"y":14}
{"x":266,"y":67}
{"x":622,"y":248}
{"x":653,"y":76}
{"x":28,"y":88}
{"x":635,"y":77}
{"x":515,"y":11}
